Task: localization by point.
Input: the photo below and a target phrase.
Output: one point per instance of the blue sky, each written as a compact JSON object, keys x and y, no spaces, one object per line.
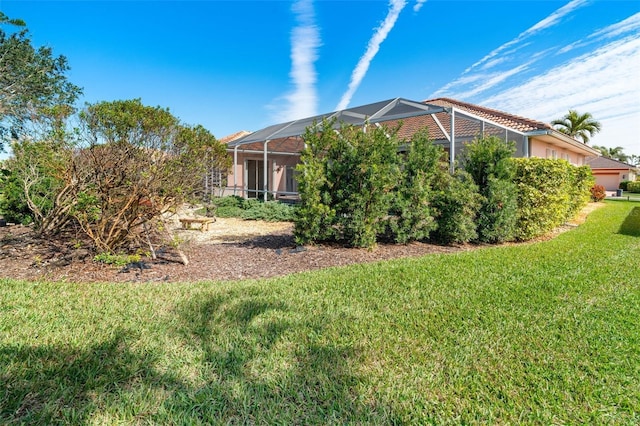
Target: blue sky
{"x":243,"y":65}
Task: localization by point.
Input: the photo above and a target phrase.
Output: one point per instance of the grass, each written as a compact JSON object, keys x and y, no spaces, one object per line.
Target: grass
{"x":543,"y":333}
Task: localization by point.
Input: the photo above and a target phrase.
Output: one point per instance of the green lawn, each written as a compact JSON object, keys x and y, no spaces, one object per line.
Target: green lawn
{"x":544,"y":333}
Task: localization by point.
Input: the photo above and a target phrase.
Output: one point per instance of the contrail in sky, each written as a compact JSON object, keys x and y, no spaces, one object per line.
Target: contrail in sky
{"x":547,"y":22}
{"x":395,"y":7}
{"x":305,"y":41}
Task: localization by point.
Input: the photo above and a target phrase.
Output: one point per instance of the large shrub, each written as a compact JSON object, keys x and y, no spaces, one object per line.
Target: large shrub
{"x":411,"y":215}
{"x":488,"y":161}
{"x":346,"y":181}
{"x":456,"y":201}
{"x":314,"y":217}
{"x":549,"y":193}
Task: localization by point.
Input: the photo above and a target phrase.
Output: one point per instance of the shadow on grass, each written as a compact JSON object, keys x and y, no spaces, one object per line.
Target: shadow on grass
{"x":256,"y":361}
{"x":631,"y":224}
{"x":59,"y":385}
{"x":262,"y":364}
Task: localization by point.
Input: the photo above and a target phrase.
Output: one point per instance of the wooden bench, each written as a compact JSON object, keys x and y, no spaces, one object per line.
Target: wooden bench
{"x":203,"y":222}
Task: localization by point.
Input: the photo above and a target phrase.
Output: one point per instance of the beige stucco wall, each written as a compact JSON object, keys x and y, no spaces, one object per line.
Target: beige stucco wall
{"x":546,"y":150}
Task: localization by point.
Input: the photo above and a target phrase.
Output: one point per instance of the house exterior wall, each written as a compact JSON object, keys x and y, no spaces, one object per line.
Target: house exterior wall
{"x":543,"y":149}
{"x":611,"y":178}
{"x":237,"y":183}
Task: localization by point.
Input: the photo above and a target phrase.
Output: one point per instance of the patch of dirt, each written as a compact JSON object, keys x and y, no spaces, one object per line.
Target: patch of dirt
{"x":231,"y":249}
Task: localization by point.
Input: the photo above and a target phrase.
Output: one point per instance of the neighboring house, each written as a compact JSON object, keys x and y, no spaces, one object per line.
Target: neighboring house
{"x":450,"y":123}
{"x":609,"y":172}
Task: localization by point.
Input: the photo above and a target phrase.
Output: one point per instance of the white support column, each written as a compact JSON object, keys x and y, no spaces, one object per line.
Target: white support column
{"x":452,"y":142}
{"x":525,"y":147}
{"x":265,"y":172}
{"x":235,"y":169}
{"x":274,"y":172}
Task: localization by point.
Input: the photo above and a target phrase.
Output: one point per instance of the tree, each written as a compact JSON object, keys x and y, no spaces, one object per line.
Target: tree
{"x":140,"y":164}
{"x":489,"y":162}
{"x":43,"y":184}
{"x":33,"y":84}
{"x":616,"y":153}
{"x":578,"y":126}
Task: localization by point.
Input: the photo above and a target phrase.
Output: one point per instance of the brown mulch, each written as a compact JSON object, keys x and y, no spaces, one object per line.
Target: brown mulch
{"x":232,"y":249}
{"x":219,"y":254}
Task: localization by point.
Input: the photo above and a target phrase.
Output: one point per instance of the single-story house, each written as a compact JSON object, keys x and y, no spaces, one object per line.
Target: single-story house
{"x":450,"y":123}
{"x":609,"y":172}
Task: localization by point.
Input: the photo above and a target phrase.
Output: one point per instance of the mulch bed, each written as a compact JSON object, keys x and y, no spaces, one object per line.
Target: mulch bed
{"x":24,"y":256}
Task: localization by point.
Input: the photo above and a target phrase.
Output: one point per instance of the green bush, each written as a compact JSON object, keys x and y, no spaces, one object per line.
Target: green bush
{"x":270,"y":211}
{"x":624,"y":184}
{"x":230,"y":201}
{"x":550,"y":192}
{"x":229,"y":211}
{"x":498,"y":213}
{"x":456,"y":201}
{"x":13,"y":206}
{"x":489,"y":161}
{"x":634,"y":186}
{"x":315,"y":216}
{"x":346,"y":183}
{"x":253,"y":209}
{"x":411,"y":214}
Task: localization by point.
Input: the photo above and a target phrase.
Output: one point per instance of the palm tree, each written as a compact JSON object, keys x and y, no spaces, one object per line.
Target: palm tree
{"x":578,"y":126}
{"x":615,"y":153}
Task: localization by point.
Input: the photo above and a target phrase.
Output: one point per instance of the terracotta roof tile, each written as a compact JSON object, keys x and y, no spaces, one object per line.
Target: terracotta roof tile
{"x":514,"y":122}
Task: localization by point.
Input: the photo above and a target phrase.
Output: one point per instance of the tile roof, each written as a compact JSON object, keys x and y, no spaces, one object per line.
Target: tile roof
{"x":515,"y":122}
{"x":464,"y":127}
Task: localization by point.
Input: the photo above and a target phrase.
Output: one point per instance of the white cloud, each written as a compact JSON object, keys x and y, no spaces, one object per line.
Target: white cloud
{"x":631,"y":24}
{"x":305,"y":41}
{"x":418,"y":5}
{"x":603,"y":82}
{"x":491,"y":80}
{"x":381,"y":33}
{"x":547,"y":22}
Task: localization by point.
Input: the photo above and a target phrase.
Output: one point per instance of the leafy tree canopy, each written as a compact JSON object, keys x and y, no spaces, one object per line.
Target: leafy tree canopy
{"x":616,"y":153}
{"x":33,"y":82}
{"x":578,"y":126}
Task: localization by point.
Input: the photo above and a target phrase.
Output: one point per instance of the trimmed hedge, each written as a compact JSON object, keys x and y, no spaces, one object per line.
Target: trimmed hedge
{"x":550,"y":192}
